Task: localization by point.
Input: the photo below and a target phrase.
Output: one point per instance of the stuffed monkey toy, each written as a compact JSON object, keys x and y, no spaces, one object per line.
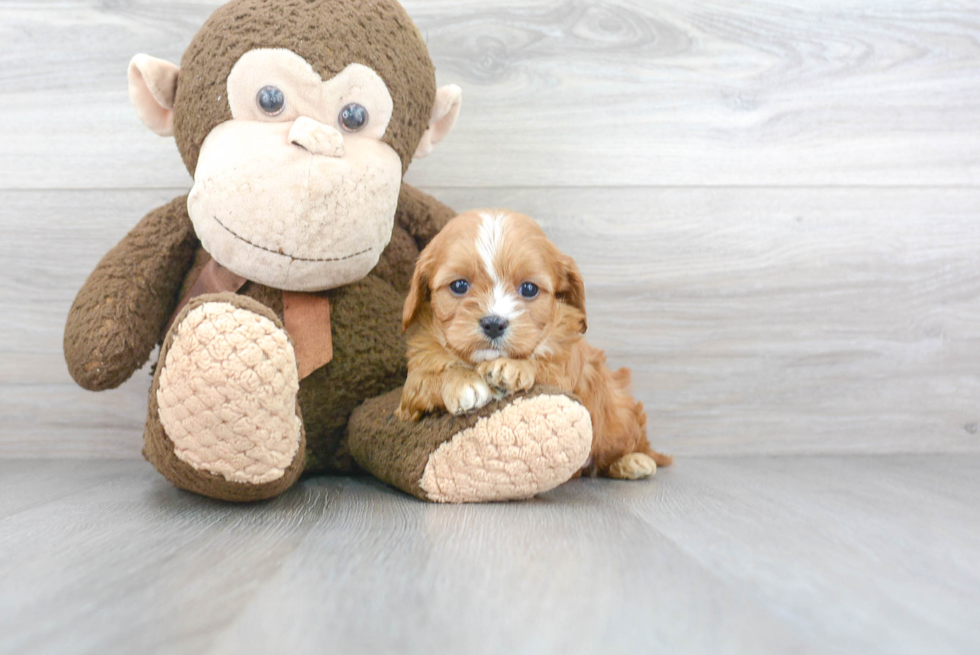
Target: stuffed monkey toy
{"x":275,"y":287}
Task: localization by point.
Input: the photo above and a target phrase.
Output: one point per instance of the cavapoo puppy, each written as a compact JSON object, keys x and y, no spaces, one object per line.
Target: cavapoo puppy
{"x":495,"y":308}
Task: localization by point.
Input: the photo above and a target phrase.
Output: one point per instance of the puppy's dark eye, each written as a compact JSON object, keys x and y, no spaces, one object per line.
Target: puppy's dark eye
{"x":353,"y":117}
{"x":271,"y":100}
{"x":529,"y":290}
{"x":459,"y":287}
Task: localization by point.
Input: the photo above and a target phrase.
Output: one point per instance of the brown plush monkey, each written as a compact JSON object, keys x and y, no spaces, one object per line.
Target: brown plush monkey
{"x":276,"y":286}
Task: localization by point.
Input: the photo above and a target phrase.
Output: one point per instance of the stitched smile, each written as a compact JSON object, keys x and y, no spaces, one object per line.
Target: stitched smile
{"x":282,"y":254}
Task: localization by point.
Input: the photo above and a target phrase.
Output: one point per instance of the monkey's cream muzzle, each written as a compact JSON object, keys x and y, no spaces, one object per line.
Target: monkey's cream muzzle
{"x":304,"y":218}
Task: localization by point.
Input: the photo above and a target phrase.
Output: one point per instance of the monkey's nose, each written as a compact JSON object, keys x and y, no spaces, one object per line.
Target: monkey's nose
{"x":316,"y":137}
{"x":493,"y":326}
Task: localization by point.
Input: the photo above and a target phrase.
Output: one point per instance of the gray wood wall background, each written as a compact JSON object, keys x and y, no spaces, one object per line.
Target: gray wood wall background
{"x":776,"y":205}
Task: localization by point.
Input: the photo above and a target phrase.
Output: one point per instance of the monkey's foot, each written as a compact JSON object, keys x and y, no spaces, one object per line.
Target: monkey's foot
{"x":526,"y":448}
{"x":512,"y":449}
{"x":226,"y":393}
{"x":634,"y":466}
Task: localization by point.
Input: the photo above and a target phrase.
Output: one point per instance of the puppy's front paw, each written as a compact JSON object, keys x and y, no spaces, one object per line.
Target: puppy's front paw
{"x":464,"y":393}
{"x":408,"y":412}
{"x":508,"y":375}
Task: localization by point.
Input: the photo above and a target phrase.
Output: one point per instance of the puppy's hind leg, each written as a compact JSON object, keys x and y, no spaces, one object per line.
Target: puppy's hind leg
{"x":643,"y":461}
{"x":632,"y":466}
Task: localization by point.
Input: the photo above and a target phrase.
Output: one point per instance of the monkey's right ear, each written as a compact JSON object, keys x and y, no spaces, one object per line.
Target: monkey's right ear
{"x":445,"y":111}
{"x":152,"y":88}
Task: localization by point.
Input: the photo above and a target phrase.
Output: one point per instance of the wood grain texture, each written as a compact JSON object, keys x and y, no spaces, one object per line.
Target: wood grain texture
{"x":863,"y":544}
{"x":191,"y":552}
{"x":755,"y":320}
{"x":561,"y":92}
{"x":739,"y":555}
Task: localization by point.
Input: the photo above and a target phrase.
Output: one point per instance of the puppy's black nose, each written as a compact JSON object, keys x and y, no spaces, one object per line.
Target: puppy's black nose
{"x":493,"y":326}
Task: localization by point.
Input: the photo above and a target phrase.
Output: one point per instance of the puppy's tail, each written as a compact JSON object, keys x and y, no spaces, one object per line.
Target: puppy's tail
{"x":661,"y":459}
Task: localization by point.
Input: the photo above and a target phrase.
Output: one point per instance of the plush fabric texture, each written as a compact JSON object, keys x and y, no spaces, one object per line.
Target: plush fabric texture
{"x":369,"y":359}
{"x":398,"y":260}
{"x":310,"y":101}
{"x":449,"y":101}
{"x":398,"y":452}
{"x":328,"y":230}
{"x":159,"y":450}
{"x":367,"y":342}
{"x":227,"y":393}
{"x":327,"y":33}
{"x":305,"y":315}
{"x":313,"y":136}
{"x":307,"y":320}
{"x":422,"y":217}
{"x":121,"y":311}
{"x":526,"y":448}
{"x":152,"y":87}
{"x":212,"y":278}
{"x":116,"y":319}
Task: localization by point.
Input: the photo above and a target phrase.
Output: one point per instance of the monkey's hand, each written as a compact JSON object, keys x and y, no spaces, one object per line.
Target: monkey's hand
{"x":507,"y":375}
{"x":120,"y":311}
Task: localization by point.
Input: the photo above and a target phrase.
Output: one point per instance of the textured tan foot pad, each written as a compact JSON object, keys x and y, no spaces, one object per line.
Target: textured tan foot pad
{"x":532,"y":445}
{"x":634,"y":466}
{"x":227,"y":394}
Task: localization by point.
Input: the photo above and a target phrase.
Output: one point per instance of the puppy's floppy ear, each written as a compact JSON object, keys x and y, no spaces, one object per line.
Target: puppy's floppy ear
{"x":418,"y":292}
{"x":571,"y":288}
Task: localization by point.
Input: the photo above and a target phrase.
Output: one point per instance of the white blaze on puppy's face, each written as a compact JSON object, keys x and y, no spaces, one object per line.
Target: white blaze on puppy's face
{"x":503,"y":301}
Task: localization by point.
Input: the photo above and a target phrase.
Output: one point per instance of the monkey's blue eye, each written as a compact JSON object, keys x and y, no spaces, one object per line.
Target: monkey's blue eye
{"x":271,"y":100}
{"x":529,"y":290}
{"x":459,"y":287}
{"x":353,"y":117}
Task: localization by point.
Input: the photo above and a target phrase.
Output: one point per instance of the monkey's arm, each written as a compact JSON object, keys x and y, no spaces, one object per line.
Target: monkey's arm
{"x":118,"y":315}
{"x":421,"y":215}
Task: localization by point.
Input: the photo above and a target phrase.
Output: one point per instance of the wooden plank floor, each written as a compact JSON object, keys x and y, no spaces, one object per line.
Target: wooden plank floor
{"x":754,"y":555}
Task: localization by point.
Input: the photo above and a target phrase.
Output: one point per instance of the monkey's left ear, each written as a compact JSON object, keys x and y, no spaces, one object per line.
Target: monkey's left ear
{"x":152,"y":88}
{"x":445,"y":110}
